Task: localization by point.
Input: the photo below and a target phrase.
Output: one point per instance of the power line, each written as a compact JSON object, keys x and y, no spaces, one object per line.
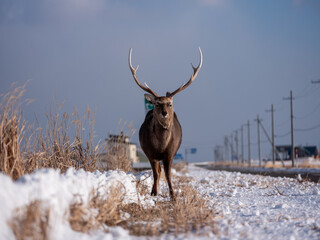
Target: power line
{"x":282,"y":135}
{"x":304,"y":92}
{"x":309,"y":114}
{"x":283,"y":123}
{"x":298,"y":130}
{"x":256,"y":143}
{"x":308,"y":91}
{"x":307,"y":129}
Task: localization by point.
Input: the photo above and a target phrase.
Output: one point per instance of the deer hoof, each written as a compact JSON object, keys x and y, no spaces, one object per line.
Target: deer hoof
{"x":154,"y":192}
{"x":172,"y":197}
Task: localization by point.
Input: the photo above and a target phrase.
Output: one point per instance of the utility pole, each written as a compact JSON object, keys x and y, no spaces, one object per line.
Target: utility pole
{"x":242,"y":146}
{"x":226,"y":147}
{"x":272,"y":135}
{"x":249,"y":154}
{"x":259,"y":148}
{"x":237,"y":145}
{"x":292,"y":141}
{"x":231,"y":146}
{"x":269,"y":139}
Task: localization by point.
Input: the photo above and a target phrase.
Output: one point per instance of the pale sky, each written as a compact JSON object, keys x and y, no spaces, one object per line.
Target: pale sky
{"x":254,"y":53}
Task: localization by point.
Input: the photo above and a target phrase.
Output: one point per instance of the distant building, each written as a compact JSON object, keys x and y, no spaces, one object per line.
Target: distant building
{"x":307,"y":151}
{"x":120,"y":144}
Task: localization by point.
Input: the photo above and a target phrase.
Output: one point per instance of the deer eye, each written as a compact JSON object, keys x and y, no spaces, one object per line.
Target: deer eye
{"x":157,"y":105}
{"x":169,"y":104}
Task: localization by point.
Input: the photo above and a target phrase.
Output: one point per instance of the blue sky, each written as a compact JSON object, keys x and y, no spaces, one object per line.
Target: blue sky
{"x":255,"y":52}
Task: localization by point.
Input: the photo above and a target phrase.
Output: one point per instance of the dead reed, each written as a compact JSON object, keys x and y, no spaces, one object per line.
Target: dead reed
{"x":11,"y":133}
{"x":189,"y":213}
{"x":106,"y":211}
{"x":30,"y":222}
{"x":181,"y":167}
{"x":61,"y":144}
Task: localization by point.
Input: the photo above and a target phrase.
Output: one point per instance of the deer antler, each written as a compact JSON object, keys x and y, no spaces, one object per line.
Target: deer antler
{"x":193,"y":76}
{"x":133,"y":71}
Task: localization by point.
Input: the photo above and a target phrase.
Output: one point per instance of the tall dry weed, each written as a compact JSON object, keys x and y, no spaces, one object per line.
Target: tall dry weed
{"x":101,"y":211}
{"x":11,"y":133}
{"x":188,"y":213}
{"x":62,"y":143}
{"x":66,"y":140}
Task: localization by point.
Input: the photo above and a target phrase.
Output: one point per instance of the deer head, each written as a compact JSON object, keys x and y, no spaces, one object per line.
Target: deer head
{"x":163,"y":111}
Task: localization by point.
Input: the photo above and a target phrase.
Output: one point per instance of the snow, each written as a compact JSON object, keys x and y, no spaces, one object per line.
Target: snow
{"x":247,"y":206}
{"x":59,"y":191}
{"x":261,"y":207}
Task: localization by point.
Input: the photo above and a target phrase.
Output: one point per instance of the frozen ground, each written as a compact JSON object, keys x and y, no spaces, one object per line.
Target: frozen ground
{"x":261,"y":207}
{"x":247,"y":206}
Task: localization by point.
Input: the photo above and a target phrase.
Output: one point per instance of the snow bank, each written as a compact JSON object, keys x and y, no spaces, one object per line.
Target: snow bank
{"x":260,"y":207}
{"x":247,"y":206}
{"x":58,"y":191}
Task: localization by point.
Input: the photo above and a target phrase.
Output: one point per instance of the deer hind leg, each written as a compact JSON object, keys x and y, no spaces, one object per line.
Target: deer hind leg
{"x":167,"y":171}
{"x":156,"y":169}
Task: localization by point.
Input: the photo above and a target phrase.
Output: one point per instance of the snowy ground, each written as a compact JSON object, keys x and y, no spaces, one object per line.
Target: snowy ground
{"x":261,"y":207}
{"x":247,"y":206}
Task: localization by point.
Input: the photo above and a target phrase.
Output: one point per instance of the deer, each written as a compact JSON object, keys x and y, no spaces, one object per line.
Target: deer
{"x":160,"y":134}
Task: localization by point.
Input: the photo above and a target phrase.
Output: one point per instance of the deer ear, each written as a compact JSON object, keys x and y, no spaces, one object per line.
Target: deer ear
{"x":150,"y":98}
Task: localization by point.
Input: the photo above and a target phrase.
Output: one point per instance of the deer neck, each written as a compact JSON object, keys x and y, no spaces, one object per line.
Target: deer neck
{"x":162,"y":133}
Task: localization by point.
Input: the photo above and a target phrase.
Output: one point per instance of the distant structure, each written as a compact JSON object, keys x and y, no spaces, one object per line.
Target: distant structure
{"x":120,"y":144}
{"x":218,"y":153}
{"x":301,"y":151}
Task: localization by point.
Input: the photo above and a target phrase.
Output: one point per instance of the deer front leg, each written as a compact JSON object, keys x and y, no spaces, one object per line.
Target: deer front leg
{"x":167,"y":171}
{"x":156,"y":170}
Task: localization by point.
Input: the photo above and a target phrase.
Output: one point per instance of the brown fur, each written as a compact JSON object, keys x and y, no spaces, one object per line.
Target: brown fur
{"x":160,"y":134}
{"x":160,"y":139}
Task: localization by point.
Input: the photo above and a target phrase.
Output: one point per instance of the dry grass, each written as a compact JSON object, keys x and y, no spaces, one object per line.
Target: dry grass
{"x":181,"y":167}
{"x":11,"y":133}
{"x":63,"y":144}
{"x":229,"y":164}
{"x":106,"y":211}
{"x":54,"y":147}
{"x":189,"y":213}
{"x":302,"y":164}
{"x":60,"y":145}
{"x":30,"y":222}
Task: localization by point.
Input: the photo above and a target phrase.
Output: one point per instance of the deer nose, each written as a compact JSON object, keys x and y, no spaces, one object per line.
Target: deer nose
{"x":164,"y":113}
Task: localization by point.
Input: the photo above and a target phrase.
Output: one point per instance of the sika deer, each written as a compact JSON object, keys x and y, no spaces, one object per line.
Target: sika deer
{"x":160,"y":134}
